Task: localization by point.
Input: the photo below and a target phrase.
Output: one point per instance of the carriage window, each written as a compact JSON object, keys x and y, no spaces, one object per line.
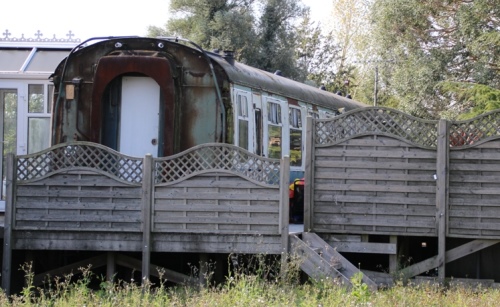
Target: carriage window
{"x":274,"y":113}
{"x":295,"y":116}
{"x":242,"y":109}
{"x":274,"y":130}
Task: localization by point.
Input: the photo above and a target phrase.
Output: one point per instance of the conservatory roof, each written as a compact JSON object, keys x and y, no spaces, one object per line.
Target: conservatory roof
{"x":32,"y":56}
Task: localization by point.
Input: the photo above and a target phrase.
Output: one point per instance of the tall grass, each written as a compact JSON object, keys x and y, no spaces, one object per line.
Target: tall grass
{"x":258,"y":284}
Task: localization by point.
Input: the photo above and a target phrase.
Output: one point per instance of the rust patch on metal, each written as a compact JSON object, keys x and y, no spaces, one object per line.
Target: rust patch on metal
{"x":111,"y":67}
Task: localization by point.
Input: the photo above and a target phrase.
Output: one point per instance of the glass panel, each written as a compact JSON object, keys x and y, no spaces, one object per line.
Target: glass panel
{"x":295,"y":118}
{"x":259,"y":138}
{"x":9,"y":108}
{"x":242,"y":106}
{"x":274,"y":148}
{"x":50,"y":92}
{"x":38,"y":134}
{"x":243,"y":134}
{"x":46,"y":60}
{"x":274,"y":113}
{"x":13,"y":59}
{"x":295,"y":147}
{"x":36,"y":99}
{"x":242,"y":122}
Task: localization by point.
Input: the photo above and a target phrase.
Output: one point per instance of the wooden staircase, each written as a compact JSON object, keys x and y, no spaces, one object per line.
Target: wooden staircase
{"x":320,"y":260}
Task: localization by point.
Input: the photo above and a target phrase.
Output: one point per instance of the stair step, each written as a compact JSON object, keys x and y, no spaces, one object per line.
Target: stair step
{"x":335,"y":264}
{"x":328,"y":259}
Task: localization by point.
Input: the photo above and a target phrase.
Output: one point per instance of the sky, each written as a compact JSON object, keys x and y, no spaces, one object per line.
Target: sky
{"x":92,"y":18}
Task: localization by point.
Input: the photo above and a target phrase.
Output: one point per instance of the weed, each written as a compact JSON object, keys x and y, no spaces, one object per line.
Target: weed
{"x":360,"y":290}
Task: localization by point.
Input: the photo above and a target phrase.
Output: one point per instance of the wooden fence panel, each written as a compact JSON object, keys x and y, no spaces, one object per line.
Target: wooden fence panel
{"x":221,"y":189}
{"x":216,"y":202}
{"x":474,"y":193}
{"x":374,"y":173}
{"x":78,"y":187}
{"x":208,"y":191}
{"x":374,"y":184}
{"x":379,"y":171}
{"x":220,"y":199}
{"x":78,"y":200}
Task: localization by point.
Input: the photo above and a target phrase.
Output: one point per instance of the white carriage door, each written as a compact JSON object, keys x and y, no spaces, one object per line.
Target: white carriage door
{"x":139,"y":123}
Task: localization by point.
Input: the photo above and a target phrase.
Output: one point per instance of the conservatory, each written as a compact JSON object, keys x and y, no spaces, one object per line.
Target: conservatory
{"x":26,"y":92}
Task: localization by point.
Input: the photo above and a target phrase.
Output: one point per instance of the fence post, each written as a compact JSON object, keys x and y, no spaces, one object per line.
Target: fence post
{"x":9,"y":221}
{"x":147,"y":193}
{"x":442,"y":162}
{"x":284,"y":201}
{"x":308,"y":175}
{"x":284,"y":209}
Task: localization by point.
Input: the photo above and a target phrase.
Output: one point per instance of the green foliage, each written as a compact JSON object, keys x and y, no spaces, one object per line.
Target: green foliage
{"x":360,"y":290}
{"x":471,"y":99}
{"x":308,"y":49}
{"x":277,"y":37}
{"x":250,"y":286}
{"x":434,"y":43}
{"x":339,"y":47}
{"x":220,"y":24}
{"x":265,"y":38}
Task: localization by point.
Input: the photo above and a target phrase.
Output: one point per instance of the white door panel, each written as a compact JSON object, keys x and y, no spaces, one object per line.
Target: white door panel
{"x":139,"y":123}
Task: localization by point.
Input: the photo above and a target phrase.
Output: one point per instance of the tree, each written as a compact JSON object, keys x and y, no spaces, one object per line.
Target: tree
{"x":349,"y":30}
{"x":309,"y":39}
{"x":341,"y":58}
{"x":265,"y":39}
{"x":212,"y":24}
{"x":316,"y":54}
{"x":435,"y":45}
{"x":277,"y":37}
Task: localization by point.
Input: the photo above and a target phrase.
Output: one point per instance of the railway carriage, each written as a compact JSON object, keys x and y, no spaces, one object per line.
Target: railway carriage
{"x":164,"y":95}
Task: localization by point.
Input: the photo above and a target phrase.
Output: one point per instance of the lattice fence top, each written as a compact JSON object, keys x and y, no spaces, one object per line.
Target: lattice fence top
{"x":79,"y":155}
{"x":217,"y":157}
{"x":376,"y":120}
{"x":476,"y":130}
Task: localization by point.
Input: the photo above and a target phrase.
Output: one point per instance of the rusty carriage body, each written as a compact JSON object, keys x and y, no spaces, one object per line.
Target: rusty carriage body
{"x":162,"y":96}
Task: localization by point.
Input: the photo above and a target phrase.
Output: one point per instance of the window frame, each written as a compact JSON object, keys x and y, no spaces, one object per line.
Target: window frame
{"x":302,"y":111}
{"x":283,"y":124}
{"x":248,"y":118}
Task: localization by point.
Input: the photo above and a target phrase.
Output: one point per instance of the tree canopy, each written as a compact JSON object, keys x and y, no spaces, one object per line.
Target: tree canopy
{"x":215,"y":24}
{"x":263,"y":33}
{"x":443,"y":52}
{"x":436,"y":58}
